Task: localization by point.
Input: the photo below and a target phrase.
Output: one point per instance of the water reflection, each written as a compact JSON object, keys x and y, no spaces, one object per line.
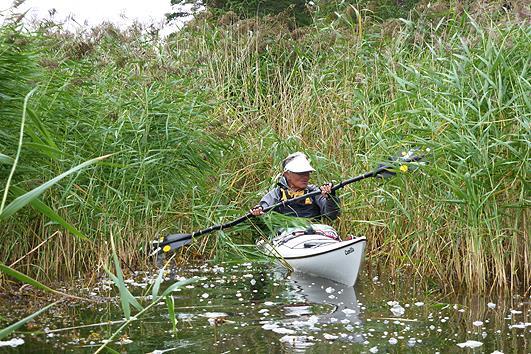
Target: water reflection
{"x":339,"y":299}
{"x":316,"y":309}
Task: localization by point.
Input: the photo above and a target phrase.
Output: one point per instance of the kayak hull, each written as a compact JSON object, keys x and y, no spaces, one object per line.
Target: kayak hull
{"x":319,"y":255}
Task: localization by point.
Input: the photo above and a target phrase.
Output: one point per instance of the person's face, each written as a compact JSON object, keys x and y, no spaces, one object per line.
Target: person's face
{"x":297,"y":180}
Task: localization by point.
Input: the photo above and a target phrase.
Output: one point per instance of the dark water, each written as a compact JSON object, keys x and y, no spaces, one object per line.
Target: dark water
{"x":260,"y":308}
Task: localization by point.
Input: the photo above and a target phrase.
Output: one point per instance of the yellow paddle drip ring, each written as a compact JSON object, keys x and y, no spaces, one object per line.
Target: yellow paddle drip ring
{"x":166,"y":248}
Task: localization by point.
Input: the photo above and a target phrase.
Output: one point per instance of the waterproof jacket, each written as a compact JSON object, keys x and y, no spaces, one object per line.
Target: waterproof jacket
{"x":312,"y":207}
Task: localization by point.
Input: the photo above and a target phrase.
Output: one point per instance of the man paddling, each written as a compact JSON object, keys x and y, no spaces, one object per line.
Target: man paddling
{"x":321,"y":202}
{"x":294,"y":183}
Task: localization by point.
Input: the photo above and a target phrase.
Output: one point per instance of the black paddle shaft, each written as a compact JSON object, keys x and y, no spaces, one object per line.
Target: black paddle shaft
{"x":175,"y":238}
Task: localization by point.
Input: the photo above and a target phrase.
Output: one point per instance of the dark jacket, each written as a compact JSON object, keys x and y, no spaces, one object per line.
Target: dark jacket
{"x":313,"y":207}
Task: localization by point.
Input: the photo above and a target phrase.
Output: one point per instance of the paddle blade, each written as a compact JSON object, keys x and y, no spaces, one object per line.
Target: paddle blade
{"x":171,"y":243}
{"x":176,"y":238}
{"x":398,"y":162}
{"x":176,"y":244}
{"x":385,"y":174}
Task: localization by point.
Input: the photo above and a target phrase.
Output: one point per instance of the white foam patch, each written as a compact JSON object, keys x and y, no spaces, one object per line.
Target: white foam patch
{"x":282,"y":330}
{"x":349,"y":311}
{"x":312,"y":320}
{"x":397,"y":310}
{"x":269,"y":326}
{"x":470,"y":344}
{"x":214,"y":314}
{"x":297,"y":310}
{"x":330,"y":336}
{"x":520,"y":325}
{"x":15,"y":342}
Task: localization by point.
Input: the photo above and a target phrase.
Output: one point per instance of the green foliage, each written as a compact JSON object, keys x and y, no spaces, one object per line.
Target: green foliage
{"x":378,"y":9}
{"x":126,"y":298}
{"x":31,"y":196}
{"x":49,"y":213}
{"x":170,"y":304}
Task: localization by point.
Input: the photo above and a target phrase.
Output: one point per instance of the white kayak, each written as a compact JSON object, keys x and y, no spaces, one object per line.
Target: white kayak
{"x":318,"y":251}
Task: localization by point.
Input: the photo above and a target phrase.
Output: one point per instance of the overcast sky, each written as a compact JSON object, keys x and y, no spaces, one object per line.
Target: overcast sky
{"x":93,"y":12}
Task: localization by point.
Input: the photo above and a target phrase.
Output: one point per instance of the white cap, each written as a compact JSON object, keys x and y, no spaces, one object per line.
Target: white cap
{"x":298,"y":163}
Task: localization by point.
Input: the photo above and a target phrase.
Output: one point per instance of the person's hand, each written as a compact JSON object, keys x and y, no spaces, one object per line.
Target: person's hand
{"x":326,"y":189}
{"x":257,"y":210}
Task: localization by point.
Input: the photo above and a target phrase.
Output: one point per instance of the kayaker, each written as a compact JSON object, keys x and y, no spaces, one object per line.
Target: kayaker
{"x":294,"y":183}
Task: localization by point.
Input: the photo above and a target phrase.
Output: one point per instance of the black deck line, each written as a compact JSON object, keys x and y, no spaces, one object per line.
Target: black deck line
{"x":324,"y":252}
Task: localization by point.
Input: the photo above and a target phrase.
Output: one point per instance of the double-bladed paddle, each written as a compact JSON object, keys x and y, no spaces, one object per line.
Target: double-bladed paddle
{"x":175,"y":241}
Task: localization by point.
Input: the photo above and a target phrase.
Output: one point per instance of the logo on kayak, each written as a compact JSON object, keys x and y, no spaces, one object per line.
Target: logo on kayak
{"x":349,"y":251}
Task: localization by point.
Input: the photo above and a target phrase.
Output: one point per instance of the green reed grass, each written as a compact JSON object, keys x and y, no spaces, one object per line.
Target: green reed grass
{"x":198,"y":126}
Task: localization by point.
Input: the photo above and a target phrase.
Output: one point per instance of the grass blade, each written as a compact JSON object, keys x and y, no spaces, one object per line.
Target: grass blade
{"x":156,"y":286}
{"x":44,"y":149}
{"x":177,"y":285}
{"x":10,"y":329}
{"x":170,"y":303}
{"x":19,"y":148}
{"x":6,"y":160}
{"x":120,"y":275}
{"x":51,"y":214}
{"x":25,"y":279}
{"x":153,"y":303}
{"x":26,"y":198}
{"x":126,"y":298}
{"x":110,"y":350}
{"x":123,"y":294}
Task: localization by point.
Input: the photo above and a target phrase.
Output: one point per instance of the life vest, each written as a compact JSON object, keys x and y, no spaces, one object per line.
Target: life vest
{"x":287,"y":194}
{"x":306,"y":208}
